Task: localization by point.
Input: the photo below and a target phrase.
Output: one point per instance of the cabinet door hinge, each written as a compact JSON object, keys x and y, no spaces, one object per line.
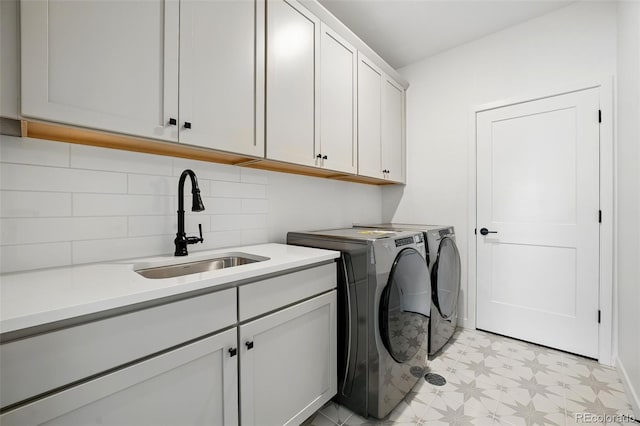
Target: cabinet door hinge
{"x":599,"y":316}
{"x":599,"y":216}
{"x":599,"y":116}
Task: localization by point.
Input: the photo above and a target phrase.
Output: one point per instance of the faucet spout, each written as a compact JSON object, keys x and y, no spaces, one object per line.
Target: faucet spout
{"x":182,"y":240}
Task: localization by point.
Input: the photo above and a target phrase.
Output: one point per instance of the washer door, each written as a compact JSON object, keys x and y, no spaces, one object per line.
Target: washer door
{"x":404,"y":306}
{"x":445,"y":276}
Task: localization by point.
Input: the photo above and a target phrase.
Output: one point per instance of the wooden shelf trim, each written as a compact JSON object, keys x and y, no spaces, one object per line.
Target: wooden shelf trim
{"x":77,"y":135}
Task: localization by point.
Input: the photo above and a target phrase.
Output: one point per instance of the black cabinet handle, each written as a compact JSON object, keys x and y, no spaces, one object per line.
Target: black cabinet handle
{"x":187,"y":125}
{"x":324,"y":157}
{"x":173,"y":122}
{"x":249,"y":345}
{"x":319,"y":156}
{"x":233,"y":352}
{"x":485,"y":231}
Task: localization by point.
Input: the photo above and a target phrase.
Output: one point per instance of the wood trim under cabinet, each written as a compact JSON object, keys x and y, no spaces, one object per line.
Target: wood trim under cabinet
{"x":77,"y":135}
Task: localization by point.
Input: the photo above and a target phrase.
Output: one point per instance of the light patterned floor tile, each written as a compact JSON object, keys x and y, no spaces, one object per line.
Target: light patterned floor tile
{"x":494,"y":380}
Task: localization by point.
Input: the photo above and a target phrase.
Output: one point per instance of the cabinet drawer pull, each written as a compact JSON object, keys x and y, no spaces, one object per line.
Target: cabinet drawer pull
{"x":249,"y":345}
{"x":233,"y":352}
{"x":173,"y":122}
{"x":324,"y":157}
{"x":187,"y":125}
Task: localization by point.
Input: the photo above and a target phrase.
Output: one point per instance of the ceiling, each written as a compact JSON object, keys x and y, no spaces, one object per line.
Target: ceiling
{"x":405,"y":31}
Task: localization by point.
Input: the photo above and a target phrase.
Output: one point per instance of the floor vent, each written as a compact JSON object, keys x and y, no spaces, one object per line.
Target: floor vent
{"x":435,"y":379}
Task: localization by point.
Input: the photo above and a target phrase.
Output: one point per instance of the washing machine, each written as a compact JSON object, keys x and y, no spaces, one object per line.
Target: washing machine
{"x":443,"y":260}
{"x":383,"y":314}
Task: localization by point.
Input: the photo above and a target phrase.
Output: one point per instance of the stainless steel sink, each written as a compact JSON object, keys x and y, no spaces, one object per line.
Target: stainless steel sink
{"x":178,"y":270}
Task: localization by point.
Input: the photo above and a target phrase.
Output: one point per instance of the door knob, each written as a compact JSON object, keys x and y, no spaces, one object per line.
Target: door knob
{"x":485,"y":231}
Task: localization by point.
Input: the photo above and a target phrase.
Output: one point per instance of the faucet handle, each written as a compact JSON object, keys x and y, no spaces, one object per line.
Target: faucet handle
{"x":193,"y":240}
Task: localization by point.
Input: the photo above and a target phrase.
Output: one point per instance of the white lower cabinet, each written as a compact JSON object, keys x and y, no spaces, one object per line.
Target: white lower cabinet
{"x":288,"y":363}
{"x":172,"y":365}
{"x":195,"y":384}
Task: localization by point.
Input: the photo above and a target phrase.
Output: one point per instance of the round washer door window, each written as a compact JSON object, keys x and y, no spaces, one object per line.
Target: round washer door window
{"x":404,"y":306}
{"x":445,"y":276}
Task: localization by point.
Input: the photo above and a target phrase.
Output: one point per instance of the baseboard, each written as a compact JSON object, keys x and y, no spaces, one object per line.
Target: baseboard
{"x":632,"y":393}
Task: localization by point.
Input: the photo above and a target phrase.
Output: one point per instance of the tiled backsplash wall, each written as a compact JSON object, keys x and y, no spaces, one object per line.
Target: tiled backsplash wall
{"x":64,"y":204}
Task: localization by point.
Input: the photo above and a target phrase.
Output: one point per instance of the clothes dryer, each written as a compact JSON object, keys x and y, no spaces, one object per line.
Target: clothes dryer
{"x":443,"y":260}
{"x":383,"y":314}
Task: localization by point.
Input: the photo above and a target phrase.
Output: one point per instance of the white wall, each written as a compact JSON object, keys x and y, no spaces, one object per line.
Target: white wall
{"x":64,"y":204}
{"x":572,"y":44}
{"x":628,"y":198}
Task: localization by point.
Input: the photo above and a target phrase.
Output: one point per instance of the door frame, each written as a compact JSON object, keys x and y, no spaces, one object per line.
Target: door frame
{"x":605,"y":87}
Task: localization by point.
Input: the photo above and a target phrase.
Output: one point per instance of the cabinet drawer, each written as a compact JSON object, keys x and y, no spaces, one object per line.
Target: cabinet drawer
{"x":195,"y":384}
{"x":38,"y":364}
{"x":264,"y":296}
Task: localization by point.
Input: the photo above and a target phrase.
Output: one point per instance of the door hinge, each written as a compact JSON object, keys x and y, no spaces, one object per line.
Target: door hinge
{"x":599,"y":316}
{"x":599,"y":216}
{"x":599,"y":116}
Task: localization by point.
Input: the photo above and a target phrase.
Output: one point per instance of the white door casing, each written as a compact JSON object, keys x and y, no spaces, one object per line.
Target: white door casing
{"x":538,"y":187}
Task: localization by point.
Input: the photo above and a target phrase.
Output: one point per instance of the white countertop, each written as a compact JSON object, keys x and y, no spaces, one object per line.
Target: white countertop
{"x":34,"y":298}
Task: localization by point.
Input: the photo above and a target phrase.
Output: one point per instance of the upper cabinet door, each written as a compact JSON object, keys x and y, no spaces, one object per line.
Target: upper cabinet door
{"x":219,"y":69}
{"x":392,"y":130}
{"x":338,"y":91}
{"x":293,"y":41}
{"x":369,"y":116}
{"x":102,"y":64}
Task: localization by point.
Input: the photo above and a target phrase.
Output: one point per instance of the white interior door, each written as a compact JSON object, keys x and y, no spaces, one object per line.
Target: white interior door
{"x":538,"y":190}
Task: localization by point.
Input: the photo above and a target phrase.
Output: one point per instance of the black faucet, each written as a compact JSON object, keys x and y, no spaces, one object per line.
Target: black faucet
{"x":181,"y":238}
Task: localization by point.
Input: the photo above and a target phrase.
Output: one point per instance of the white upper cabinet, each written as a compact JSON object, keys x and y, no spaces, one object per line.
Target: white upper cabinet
{"x":338,"y":77}
{"x":186,"y":71}
{"x":369,"y":114}
{"x":219,"y":65}
{"x":392,"y":130}
{"x":380,"y":123}
{"x":293,"y":42}
{"x":102,"y":64}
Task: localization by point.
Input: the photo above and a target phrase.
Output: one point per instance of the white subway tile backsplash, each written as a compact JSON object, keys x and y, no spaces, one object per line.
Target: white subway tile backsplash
{"x":254,"y":176}
{"x":238,"y":222}
{"x":37,"y":178}
{"x":206,"y":170}
{"x":255,"y":236}
{"x":94,"y":158}
{"x":166,"y":225}
{"x":63,"y":204}
{"x":33,"y":151}
{"x":238,"y":190}
{"x":122,"y":205}
{"x":213,"y":240}
{"x":34,"y":204}
{"x":222,"y":205}
{"x":44,"y":230}
{"x":34,"y":256}
{"x":162,"y":185}
{"x":255,"y":206}
{"x":120,"y":248}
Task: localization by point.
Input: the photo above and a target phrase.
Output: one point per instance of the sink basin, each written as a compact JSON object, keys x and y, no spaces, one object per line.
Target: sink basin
{"x":180,"y":269}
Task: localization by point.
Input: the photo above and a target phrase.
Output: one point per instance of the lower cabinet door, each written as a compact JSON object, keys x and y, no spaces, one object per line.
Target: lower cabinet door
{"x":195,"y":384}
{"x":288,"y":363}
